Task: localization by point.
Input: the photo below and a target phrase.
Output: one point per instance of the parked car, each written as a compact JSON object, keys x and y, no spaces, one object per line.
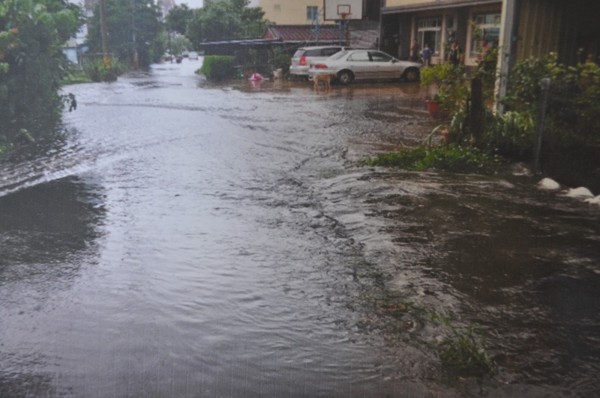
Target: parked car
{"x":350,"y":65}
{"x":304,"y":56}
{"x":193,"y":55}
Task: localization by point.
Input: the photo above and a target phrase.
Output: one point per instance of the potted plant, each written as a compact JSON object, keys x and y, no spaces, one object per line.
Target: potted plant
{"x":449,"y":88}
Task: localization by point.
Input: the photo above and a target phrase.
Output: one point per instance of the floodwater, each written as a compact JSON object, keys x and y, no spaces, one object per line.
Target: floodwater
{"x":187,"y":239}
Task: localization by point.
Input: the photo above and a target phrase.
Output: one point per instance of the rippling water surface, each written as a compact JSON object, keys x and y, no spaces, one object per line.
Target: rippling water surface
{"x":188,"y":240}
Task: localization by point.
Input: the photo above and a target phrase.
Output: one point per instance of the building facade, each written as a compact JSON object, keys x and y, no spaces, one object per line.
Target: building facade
{"x":474,"y":24}
{"x":523,"y":28}
{"x":297,"y":12}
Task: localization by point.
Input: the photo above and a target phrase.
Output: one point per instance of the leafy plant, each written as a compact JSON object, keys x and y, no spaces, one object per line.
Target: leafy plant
{"x":510,"y":134}
{"x":98,"y":72}
{"x":573,"y":102}
{"x":32,"y":65}
{"x":449,"y":84}
{"x":218,"y":67}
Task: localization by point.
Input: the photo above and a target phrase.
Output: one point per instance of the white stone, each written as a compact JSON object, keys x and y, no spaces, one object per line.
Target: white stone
{"x":548,"y":184}
{"x":579,"y":193}
{"x":593,"y":201}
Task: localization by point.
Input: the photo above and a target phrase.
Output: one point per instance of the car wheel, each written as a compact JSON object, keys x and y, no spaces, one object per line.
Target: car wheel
{"x":345,"y":77}
{"x":411,"y":75}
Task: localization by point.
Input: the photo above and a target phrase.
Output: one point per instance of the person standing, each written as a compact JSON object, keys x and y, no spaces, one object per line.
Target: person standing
{"x":426,"y":55}
{"x":414,"y":51}
{"x":454,"y":54}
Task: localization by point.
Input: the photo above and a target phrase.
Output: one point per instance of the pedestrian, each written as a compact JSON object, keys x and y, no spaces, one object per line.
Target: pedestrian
{"x":426,"y":55}
{"x":485,"y":49}
{"x":454,"y":54}
{"x":414,"y":51}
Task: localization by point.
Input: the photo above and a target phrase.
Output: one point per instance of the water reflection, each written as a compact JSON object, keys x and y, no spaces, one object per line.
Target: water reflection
{"x":47,"y":234}
{"x":50,"y":221}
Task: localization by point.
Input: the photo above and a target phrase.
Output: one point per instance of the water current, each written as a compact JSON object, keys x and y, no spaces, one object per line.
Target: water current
{"x":186,"y":239}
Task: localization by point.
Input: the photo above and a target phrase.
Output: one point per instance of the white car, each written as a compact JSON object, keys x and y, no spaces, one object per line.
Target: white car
{"x":350,"y":65}
{"x":193,"y":55}
{"x":304,"y":56}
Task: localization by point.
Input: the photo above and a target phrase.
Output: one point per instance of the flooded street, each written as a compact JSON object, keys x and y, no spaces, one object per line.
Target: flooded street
{"x":187,"y":239}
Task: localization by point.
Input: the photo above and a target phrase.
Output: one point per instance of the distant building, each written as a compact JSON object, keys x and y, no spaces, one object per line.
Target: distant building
{"x":296,"y":12}
{"x":75,"y":47}
{"x":294,"y":16}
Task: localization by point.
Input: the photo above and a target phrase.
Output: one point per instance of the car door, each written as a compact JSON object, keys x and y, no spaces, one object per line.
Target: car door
{"x":360,"y":64}
{"x":383,"y":65}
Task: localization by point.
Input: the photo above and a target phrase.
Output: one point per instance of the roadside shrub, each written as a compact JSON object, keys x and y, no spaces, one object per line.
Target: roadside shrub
{"x":218,"y":67}
{"x":280,"y":59}
{"x":510,"y":134}
{"x":75,"y":77}
{"x":452,"y":158}
{"x":32,"y":66}
{"x":573,"y":103}
{"x":571,"y":131}
{"x":97,"y":72}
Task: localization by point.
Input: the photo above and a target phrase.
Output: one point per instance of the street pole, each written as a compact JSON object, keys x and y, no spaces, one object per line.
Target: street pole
{"x":136,"y":61}
{"x":541,"y":119}
{"x":104,"y":33}
{"x":506,"y":48}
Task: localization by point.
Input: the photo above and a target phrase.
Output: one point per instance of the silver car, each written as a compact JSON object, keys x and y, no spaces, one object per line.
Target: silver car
{"x":303,"y":57}
{"x":350,"y":65}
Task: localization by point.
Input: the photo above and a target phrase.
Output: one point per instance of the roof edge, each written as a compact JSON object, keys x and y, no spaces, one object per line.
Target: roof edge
{"x":436,"y":6}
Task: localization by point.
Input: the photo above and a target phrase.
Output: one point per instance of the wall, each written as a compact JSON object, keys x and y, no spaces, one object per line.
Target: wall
{"x":289,"y":12}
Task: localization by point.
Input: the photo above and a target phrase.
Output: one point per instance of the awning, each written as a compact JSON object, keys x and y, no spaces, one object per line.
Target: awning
{"x":438,"y":6}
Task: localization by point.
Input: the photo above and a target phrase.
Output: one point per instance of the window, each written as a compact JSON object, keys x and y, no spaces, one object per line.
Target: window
{"x":360,"y":56}
{"x":429,"y":32}
{"x":486,"y":29}
{"x":380,"y":57}
{"x":312,"y":13}
{"x":326,"y":52}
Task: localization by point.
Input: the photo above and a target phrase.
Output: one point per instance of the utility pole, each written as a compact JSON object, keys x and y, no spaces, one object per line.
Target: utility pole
{"x":136,"y":61}
{"x":506,"y":48}
{"x":104,"y":33}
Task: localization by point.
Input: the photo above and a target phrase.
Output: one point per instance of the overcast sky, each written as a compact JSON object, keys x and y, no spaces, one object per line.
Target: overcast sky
{"x":198,"y":3}
{"x":190,"y":3}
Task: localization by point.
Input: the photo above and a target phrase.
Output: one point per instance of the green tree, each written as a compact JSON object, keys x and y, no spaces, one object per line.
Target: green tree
{"x":32,"y":64}
{"x":134,"y":28}
{"x":224,"y":20}
{"x":178,"y":19}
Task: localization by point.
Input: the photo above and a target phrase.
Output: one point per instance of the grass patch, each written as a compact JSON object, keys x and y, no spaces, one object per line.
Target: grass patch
{"x":452,"y":158}
{"x":76,"y":78}
{"x":461,"y":352}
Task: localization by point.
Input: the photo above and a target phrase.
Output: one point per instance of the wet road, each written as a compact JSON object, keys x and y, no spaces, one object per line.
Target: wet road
{"x":195,"y":240}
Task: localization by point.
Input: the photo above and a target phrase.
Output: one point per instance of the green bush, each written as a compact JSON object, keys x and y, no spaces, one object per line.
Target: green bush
{"x":573,"y":103}
{"x":97,"y":72}
{"x":510,"y":134}
{"x":218,"y":67}
{"x":32,"y":66}
{"x":570,"y":130}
